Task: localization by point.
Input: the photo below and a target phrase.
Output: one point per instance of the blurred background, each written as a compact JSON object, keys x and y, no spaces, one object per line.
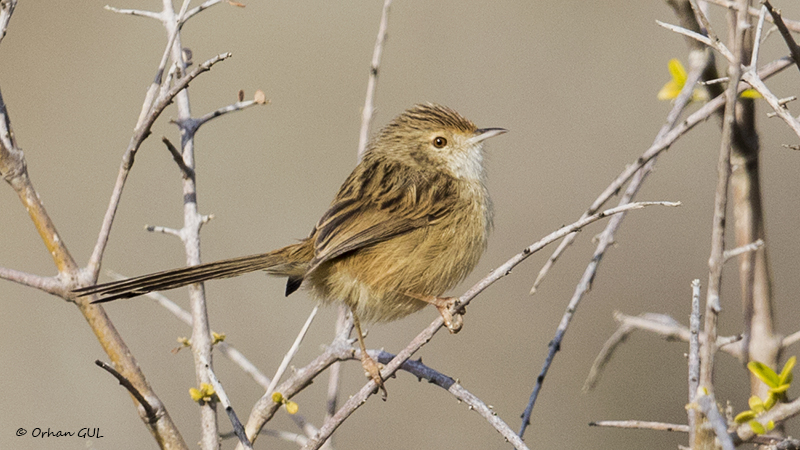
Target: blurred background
{"x":576,"y":84}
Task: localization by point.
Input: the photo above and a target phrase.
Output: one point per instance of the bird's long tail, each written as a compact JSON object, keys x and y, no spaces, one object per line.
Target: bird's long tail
{"x":287,"y":261}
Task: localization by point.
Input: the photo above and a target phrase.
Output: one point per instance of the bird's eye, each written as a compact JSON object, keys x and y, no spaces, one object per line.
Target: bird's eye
{"x":439,"y":142}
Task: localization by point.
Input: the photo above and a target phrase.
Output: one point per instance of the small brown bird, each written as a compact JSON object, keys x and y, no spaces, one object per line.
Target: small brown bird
{"x":409,"y":223}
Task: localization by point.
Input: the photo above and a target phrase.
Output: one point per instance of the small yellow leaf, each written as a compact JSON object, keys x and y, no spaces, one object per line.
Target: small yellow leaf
{"x":750,"y":93}
{"x":669,"y":91}
{"x":745,"y":416}
{"x":277,"y":397}
{"x":786,"y":373}
{"x":764,"y":373}
{"x":780,"y":389}
{"x":195,"y":394}
{"x":770,"y":425}
{"x":292,"y":407}
{"x":757,"y":427}
{"x":756,"y":404}
{"x":676,"y":71}
{"x":218,"y":337}
{"x":772,"y":398}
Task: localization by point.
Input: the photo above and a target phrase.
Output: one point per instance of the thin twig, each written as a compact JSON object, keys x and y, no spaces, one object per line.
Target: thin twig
{"x":719,"y":46}
{"x":787,"y":35}
{"x":148,"y":410}
{"x":192,"y":12}
{"x":728,"y":254}
{"x":201,"y":339}
{"x":238,"y":429}
{"x":694,"y":356}
{"x":135,"y":12}
{"x":344,"y":326}
{"x":708,"y":406}
{"x":641,"y":425}
{"x":195,"y":123}
{"x":292,"y":350}
{"x":790,"y":339}
{"x":187,"y":171}
{"x":287,"y":436}
{"x":716,"y":259}
{"x":51,"y":285}
{"x":792,"y":25}
{"x":757,"y":39}
{"x":423,"y":372}
{"x":776,"y":103}
{"x":6,"y":10}
{"x":163,"y":230}
{"x":369,"y":109}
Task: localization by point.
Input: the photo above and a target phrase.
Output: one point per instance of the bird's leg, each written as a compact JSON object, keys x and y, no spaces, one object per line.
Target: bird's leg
{"x":371,"y":368}
{"x":452,"y":321}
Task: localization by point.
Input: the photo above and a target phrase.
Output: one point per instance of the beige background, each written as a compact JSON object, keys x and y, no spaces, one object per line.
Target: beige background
{"x":574,"y":81}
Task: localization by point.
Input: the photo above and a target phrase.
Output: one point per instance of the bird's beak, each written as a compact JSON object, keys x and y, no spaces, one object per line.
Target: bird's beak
{"x":485,"y":133}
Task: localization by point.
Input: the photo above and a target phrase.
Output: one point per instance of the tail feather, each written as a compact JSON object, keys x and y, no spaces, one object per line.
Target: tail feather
{"x":175,"y":278}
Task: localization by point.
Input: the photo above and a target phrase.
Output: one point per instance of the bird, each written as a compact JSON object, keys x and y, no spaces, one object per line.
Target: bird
{"x":408,"y":224}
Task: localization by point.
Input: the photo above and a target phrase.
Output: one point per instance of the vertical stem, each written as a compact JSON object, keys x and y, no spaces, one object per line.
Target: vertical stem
{"x":703,"y":438}
{"x":190,"y":235}
{"x":694,"y":356}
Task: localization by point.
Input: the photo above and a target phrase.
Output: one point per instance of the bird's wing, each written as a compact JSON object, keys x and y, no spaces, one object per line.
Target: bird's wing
{"x":379,"y":202}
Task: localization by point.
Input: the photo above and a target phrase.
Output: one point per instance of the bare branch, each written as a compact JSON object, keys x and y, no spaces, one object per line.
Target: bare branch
{"x":708,"y":405}
{"x":716,"y":45}
{"x":292,"y":351}
{"x":694,"y":356}
{"x":238,"y":429}
{"x":790,"y":339}
{"x":344,"y":326}
{"x":135,"y":12}
{"x":777,"y":104}
{"x":163,"y":230}
{"x":14,"y":170}
{"x":51,"y":285}
{"x":194,"y":11}
{"x":194,"y":124}
{"x":792,"y":25}
{"x":728,"y":254}
{"x":149,"y":411}
{"x":641,"y":425}
{"x":423,"y":372}
{"x":369,"y":109}
{"x":794,"y":49}
{"x":187,"y":171}
{"x":6,"y":10}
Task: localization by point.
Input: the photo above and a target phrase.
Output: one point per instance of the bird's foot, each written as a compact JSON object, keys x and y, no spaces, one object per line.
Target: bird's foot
{"x":453,"y":321}
{"x":449,"y":309}
{"x":372,"y":370}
